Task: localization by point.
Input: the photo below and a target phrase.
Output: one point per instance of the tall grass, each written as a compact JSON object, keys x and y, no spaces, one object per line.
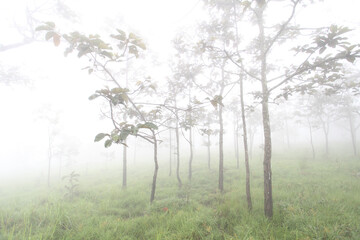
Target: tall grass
{"x":312,"y":200}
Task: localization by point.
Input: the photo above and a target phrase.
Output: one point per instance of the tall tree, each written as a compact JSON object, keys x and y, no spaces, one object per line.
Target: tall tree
{"x":324,"y":108}
{"x":296,"y":76}
{"x":348,"y":107}
{"x":186,"y":71}
{"x":51,"y":117}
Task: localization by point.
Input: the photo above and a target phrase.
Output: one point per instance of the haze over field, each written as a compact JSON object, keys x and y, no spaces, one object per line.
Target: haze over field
{"x":193,"y":103}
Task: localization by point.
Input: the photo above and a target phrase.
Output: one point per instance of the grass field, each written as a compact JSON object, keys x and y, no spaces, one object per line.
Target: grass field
{"x":312,"y":200}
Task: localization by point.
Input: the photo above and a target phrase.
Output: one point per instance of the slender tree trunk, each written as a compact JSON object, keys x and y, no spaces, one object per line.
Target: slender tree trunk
{"x":252,"y":135}
{"x":311,"y":139}
{"x":247,"y":165}
{"x":268,"y":199}
{"x":170,"y":152}
{"x":134,"y":157}
{"x":236,"y":142}
{"x":287,"y":133}
{"x":221,"y":150}
{"x":325,"y":126}
{"x":208,"y":150}
{"x":326,"y":144}
{"x":153,"y":188}
{"x":49,"y":157}
{"x":191,"y":153}
{"x":352,"y":132}
{"x":177,"y":149}
{"x":221,"y":130}
{"x":190,"y":135}
{"x":124,"y":182}
{"x":60,"y":166}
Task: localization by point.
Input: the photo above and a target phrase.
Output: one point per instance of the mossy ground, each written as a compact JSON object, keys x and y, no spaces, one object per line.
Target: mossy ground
{"x":312,"y":200}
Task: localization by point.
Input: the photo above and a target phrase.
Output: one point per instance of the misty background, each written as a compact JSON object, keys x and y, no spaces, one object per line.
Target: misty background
{"x":44,"y":96}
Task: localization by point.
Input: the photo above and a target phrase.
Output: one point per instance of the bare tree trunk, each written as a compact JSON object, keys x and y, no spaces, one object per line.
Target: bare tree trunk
{"x":252,"y":135}
{"x":170,"y":157}
{"x":311,"y":139}
{"x":153,"y":188}
{"x":190,"y":136}
{"x":60,"y":166}
{"x":287,"y":133}
{"x":208,"y":150}
{"x":247,"y":165}
{"x":134,"y":157}
{"x":236,"y":142}
{"x":326,"y":144}
{"x":191,"y":153}
{"x":352,"y":132}
{"x":268,"y":199}
{"x":124,"y":182}
{"x":221,"y":150}
{"x":49,"y":157}
{"x":177,"y":149}
{"x":325,"y":127}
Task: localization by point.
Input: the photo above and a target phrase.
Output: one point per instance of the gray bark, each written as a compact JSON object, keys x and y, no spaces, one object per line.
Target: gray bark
{"x":247,"y":165}
{"x":153,"y":187}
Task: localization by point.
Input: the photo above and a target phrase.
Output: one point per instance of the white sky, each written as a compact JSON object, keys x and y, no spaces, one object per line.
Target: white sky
{"x":57,"y":80}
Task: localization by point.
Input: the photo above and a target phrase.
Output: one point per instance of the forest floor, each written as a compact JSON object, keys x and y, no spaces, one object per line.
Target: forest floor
{"x":313,"y":199}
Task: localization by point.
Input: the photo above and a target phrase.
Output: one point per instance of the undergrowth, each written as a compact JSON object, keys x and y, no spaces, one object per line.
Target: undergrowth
{"x":312,"y":200}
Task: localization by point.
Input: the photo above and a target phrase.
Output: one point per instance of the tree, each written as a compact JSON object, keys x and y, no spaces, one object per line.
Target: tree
{"x":175,"y":87}
{"x":208,"y":131}
{"x":253,"y":116}
{"x":295,"y":76}
{"x":234,"y":107}
{"x":324,"y":107}
{"x":102,"y":58}
{"x":306,"y":118}
{"x":186,"y":71}
{"x":51,"y":117}
{"x":348,"y":109}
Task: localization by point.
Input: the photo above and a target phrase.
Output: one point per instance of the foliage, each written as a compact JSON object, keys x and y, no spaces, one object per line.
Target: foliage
{"x":101,"y":54}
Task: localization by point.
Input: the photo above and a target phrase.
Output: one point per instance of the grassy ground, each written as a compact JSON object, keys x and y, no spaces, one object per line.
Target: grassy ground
{"x":312,"y":200}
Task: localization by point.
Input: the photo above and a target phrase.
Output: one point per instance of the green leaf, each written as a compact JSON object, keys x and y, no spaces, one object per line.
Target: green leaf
{"x":118,"y":90}
{"x":92,"y":97}
{"x":84,"y":51}
{"x":350,"y":58}
{"x":124,"y":134}
{"x":139,"y":43}
{"x":133,"y":36}
{"x":148,"y":125}
{"x":122,"y":35}
{"x":49,"y":35}
{"x":133,"y":50}
{"x":50,"y":24}
{"x":333,"y":28}
{"x":44,"y":28}
{"x":108,"y":143}
{"x":100,"y":136}
{"x":115,"y":138}
{"x":107,"y":54}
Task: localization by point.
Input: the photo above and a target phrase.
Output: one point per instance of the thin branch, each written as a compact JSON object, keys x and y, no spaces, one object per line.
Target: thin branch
{"x":241,"y":66}
{"x":282,"y":28}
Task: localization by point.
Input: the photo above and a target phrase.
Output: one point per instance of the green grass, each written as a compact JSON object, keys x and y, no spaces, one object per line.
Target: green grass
{"x":312,"y":200}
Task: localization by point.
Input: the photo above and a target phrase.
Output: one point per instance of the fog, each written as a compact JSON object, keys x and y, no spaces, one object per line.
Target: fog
{"x":178,"y":72}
